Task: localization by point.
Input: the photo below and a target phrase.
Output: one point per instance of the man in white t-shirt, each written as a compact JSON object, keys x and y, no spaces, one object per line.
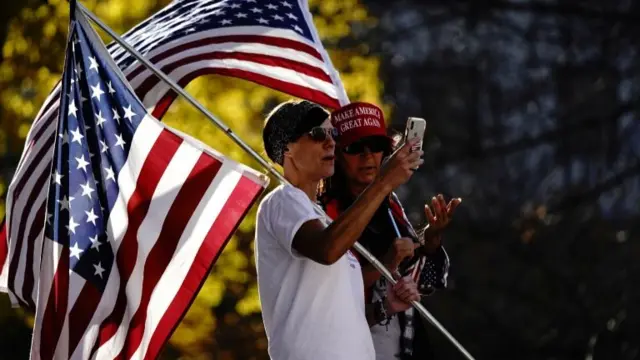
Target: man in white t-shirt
{"x":310,"y":285}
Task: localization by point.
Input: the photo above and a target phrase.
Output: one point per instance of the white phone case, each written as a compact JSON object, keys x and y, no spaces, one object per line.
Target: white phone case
{"x":415,"y":129}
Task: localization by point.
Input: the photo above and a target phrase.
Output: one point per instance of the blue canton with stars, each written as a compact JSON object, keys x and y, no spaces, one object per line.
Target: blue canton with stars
{"x":98,"y":118}
{"x":186,"y":17}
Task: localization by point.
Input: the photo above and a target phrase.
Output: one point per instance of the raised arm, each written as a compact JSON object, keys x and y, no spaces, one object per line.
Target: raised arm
{"x":327,"y":245}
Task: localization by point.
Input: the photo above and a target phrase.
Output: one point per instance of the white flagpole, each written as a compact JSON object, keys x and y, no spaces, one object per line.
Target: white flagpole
{"x":364,"y":252}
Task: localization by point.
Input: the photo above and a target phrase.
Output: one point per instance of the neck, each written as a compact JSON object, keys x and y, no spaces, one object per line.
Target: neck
{"x":309,"y":186}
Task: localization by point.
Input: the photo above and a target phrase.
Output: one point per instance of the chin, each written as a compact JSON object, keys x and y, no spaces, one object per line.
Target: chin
{"x":367,"y":179}
{"x":327,"y":171}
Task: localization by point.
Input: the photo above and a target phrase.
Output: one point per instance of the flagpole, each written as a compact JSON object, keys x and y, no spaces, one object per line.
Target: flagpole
{"x":178,"y":89}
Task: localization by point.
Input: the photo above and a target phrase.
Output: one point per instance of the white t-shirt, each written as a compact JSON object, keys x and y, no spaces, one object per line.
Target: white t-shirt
{"x":310,"y":311}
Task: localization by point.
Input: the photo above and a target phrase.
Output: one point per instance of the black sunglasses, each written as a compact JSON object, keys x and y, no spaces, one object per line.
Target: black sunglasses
{"x":374,"y":145}
{"x":321,"y":134}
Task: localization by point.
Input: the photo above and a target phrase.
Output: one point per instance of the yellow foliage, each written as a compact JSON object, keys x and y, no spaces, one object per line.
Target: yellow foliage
{"x":33,"y":57}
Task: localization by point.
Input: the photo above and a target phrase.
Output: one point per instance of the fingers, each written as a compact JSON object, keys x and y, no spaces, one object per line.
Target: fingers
{"x":404,"y":249}
{"x":406,"y":290}
{"x":453,"y":204}
{"x":427,"y":212}
{"x":442,"y":205}
{"x":436,"y":208}
{"x":406,"y":148}
{"x":401,"y":249}
{"x":401,"y":165}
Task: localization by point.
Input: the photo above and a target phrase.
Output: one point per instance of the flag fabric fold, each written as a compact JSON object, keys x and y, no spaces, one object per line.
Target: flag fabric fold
{"x":135,"y":216}
{"x":270,"y":42}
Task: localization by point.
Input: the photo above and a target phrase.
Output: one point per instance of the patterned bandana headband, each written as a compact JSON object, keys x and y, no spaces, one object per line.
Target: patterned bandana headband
{"x":287,"y":123}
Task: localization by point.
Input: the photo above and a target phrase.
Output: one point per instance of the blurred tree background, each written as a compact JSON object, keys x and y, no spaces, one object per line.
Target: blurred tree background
{"x":532,"y":110}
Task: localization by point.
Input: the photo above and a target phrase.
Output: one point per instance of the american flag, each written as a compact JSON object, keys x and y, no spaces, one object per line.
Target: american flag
{"x":270,"y":42}
{"x":136,"y":214}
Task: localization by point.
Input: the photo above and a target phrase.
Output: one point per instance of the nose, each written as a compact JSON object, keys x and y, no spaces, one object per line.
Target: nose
{"x":330,"y":141}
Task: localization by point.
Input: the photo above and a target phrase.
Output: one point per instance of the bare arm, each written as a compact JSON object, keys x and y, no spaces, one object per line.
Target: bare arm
{"x":327,"y":245}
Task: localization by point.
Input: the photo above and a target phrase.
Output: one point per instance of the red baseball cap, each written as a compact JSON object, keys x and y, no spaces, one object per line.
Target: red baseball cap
{"x":358,"y":120}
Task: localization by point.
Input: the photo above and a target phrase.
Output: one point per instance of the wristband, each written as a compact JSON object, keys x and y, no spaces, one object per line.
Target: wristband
{"x":381,"y":314}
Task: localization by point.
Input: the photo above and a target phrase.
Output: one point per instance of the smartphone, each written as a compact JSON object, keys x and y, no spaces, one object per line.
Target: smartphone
{"x":415,"y":129}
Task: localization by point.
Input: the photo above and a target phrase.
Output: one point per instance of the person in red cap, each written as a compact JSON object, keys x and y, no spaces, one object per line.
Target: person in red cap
{"x":361,"y":146}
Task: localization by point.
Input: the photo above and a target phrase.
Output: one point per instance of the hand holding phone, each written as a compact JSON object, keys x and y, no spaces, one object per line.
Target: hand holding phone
{"x":415,"y":129}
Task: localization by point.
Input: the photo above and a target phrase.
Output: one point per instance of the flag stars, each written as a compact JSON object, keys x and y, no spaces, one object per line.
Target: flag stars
{"x":111,"y":90}
{"x":75,"y":251}
{"x":286,"y":4}
{"x":91,"y":217}
{"x":110,"y":174}
{"x":235,"y":6}
{"x":78,"y":69}
{"x":298,"y":29}
{"x":72,"y":225}
{"x":277,"y":17}
{"x":255,"y":10}
{"x":100,"y":119}
{"x":82,"y":99}
{"x":49,"y":216}
{"x":128,"y":113}
{"x":99,"y":269}
{"x":116,"y":116}
{"x":94,"y":64}
{"x":226,"y":22}
{"x":77,"y":136}
{"x":65,"y":138}
{"x":95,"y":243}
{"x":263,"y":21}
{"x":57,"y":178}
{"x":72,"y":108}
{"x":103,"y":147}
{"x":87,"y":189}
{"x":120,"y":141}
{"x":96,"y":91}
{"x":272,"y":7}
{"x":82,"y":163}
{"x":65,"y":203}
{"x":241,"y":15}
{"x":291,"y":16}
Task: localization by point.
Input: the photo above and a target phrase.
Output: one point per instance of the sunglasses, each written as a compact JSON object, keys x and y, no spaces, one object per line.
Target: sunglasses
{"x":374,"y":145}
{"x":321,"y":134}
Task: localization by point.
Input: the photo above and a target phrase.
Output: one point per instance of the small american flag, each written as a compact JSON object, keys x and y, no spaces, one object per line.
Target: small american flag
{"x":136,"y":215}
{"x":270,"y":42}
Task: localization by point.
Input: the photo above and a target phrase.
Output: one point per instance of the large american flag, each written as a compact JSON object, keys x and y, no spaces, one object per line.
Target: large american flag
{"x":136,"y":214}
{"x":271,"y":42}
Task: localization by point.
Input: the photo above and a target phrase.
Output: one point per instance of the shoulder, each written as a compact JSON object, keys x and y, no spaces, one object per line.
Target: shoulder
{"x":283,"y":195}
